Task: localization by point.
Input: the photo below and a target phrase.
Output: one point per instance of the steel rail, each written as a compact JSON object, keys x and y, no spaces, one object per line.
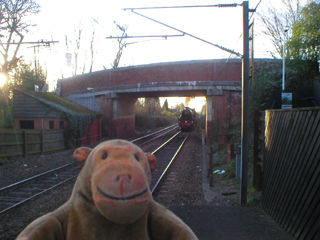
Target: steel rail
{"x":28,"y":199}
{"x":34,"y":177}
{"x":148,"y":135}
{"x":166,"y":142}
{"x":159,"y":136}
{"x":171,"y":161}
{"x":67,"y":165}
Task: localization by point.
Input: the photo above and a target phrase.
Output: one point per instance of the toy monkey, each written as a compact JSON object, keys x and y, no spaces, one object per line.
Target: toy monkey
{"x":111,"y":200}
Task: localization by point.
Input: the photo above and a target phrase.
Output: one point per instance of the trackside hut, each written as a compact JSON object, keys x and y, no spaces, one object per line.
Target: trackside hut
{"x":45,"y":111}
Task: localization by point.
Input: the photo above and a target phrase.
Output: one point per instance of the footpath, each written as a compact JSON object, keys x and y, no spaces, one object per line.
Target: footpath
{"x":211,"y":222}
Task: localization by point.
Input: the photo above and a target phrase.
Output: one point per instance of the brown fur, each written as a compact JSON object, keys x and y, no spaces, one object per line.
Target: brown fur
{"x":111,"y":199}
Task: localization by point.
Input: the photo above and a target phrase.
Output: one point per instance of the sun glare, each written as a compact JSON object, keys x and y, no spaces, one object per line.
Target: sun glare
{"x":196,"y":102}
{"x":3,"y":79}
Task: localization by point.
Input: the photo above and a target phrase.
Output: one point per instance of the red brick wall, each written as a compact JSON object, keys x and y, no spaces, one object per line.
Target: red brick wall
{"x":215,"y":70}
{"x":227,"y":111}
{"x":93,"y":135}
{"x":106,"y":111}
{"x":123,"y":126}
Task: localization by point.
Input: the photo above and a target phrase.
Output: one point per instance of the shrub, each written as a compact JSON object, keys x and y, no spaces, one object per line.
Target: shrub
{"x":146,"y":122}
{"x":231,"y":170}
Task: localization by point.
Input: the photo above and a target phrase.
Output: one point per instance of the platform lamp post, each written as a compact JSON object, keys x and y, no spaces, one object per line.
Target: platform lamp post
{"x":286,"y":97}
{"x":286,"y":29}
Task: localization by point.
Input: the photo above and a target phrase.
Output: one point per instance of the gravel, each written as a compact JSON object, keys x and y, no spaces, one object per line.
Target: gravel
{"x":18,"y":169}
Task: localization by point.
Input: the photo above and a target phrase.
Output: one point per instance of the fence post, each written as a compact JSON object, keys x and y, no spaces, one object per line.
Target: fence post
{"x":257,"y":175}
{"x":42,"y":142}
{"x":210,"y":174}
{"x":88,"y":135}
{"x":25,"y":144}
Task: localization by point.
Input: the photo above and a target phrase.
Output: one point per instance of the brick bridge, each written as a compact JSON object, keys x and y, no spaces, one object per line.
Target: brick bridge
{"x":114,"y":92}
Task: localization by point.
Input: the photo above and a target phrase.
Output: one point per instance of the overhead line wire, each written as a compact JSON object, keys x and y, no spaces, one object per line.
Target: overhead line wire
{"x":185,"y":33}
{"x":218,"y":5}
{"x":216,"y":45}
{"x":223,"y":67}
{"x":192,"y":6}
{"x":236,"y":43}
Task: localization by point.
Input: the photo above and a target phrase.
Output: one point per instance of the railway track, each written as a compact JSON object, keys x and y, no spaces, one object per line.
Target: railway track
{"x":18,"y":193}
{"x":155,"y":135}
{"x":21,"y":192}
{"x":166,"y":154}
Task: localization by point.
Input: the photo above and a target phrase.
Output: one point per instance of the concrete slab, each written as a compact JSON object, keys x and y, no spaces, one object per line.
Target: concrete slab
{"x":230,"y":223}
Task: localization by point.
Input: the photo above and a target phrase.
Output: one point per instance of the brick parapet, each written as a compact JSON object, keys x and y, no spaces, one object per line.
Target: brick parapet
{"x":208,"y":70}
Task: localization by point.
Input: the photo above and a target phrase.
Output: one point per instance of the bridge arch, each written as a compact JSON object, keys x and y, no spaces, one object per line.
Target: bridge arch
{"x":113,"y":92}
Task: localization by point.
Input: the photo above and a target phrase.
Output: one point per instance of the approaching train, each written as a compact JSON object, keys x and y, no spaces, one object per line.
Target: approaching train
{"x":187,"y":120}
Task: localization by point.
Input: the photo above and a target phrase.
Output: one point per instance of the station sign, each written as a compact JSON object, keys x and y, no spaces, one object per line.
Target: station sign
{"x":286,"y":100}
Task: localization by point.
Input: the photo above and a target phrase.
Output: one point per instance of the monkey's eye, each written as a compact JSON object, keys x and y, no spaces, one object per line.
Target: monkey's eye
{"x":137,"y":158}
{"x":104,"y":156}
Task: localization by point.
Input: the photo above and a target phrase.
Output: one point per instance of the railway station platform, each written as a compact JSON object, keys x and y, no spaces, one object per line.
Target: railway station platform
{"x":210,"y":222}
{"x":230,"y":223}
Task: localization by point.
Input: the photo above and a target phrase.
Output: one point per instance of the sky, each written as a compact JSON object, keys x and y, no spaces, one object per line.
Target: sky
{"x":60,"y":19}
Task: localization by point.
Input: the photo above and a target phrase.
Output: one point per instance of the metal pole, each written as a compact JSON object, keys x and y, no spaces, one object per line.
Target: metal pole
{"x":251,"y":36}
{"x":283,"y":65}
{"x":245,"y":106}
{"x":286,"y":29}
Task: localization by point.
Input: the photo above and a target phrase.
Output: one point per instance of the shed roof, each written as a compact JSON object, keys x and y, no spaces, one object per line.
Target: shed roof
{"x":60,"y":103}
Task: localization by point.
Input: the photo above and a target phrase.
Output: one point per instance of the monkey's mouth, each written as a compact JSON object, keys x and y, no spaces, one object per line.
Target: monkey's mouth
{"x":122,"y":198}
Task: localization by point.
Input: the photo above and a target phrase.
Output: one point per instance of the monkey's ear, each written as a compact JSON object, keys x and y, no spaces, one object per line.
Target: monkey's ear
{"x":152,"y":161}
{"x":81,"y":154}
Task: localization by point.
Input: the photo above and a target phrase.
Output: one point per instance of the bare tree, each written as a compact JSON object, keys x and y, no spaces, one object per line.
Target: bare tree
{"x":277,"y":20}
{"x":92,"y":50}
{"x":75,"y":45}
{"x":121,"y":43}
{"x":13,"y":26}
{"x":79,"y":47}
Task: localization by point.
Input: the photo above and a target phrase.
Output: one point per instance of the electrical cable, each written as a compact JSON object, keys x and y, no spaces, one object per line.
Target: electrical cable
{"x":255,"y":9}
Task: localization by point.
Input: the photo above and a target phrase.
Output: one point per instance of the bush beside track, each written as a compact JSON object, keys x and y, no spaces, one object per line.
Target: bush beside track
{"x":147,"y":122}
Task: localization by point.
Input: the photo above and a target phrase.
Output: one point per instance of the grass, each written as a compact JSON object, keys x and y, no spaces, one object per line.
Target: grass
{"x":230,"y":167}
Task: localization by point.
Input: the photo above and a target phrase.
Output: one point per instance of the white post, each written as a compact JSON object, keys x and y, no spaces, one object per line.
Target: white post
{"x":284,"y":58}
{"x":283,"y":65}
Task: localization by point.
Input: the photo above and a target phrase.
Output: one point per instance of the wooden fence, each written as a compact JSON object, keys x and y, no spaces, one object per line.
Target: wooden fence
{"x":15,"y":143}
{"x":258,"y":149}
{"x":291,"y":170}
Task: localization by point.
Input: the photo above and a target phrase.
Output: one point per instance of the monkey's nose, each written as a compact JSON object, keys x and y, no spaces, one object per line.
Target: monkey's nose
{"x":123,"y":177}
